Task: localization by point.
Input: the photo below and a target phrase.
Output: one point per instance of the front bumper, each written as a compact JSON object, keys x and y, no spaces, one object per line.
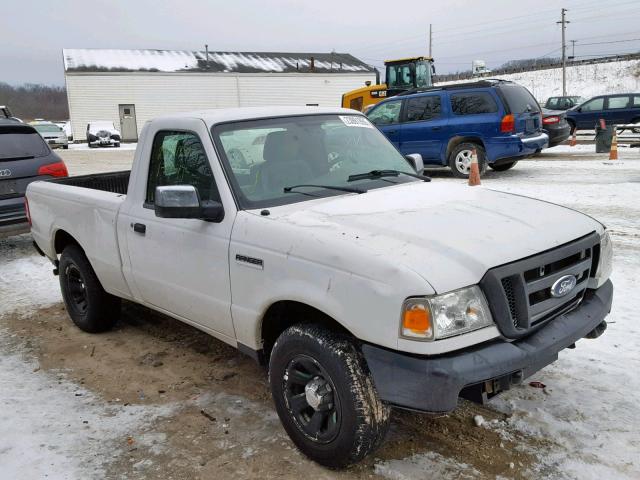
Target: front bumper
{"x":433,"y":384}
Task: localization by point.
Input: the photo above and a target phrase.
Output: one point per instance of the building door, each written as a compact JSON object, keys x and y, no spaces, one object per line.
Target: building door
{"x":128,"y":127}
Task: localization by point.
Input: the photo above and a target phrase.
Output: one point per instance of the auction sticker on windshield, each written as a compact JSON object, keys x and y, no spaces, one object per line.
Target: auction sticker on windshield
{"x":355,"y":121}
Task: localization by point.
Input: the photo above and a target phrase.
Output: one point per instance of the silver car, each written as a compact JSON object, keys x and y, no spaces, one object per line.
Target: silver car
{"x":52,"y":134}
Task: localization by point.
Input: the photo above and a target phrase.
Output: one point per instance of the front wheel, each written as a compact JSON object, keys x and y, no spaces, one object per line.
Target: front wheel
{"x":325,"y":396}
{"x":89,"y":306}
{"x":503,"y":167}
{"x":460,"y":159}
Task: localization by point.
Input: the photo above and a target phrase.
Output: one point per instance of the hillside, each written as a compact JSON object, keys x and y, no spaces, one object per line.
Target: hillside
{"x":584,"y":80}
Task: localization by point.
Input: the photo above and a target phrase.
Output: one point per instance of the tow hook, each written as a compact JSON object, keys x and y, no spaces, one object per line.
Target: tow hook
{"x":599,"y":330}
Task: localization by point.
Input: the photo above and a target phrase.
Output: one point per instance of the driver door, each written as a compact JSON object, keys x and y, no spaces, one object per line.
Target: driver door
{"x":181,"y":266}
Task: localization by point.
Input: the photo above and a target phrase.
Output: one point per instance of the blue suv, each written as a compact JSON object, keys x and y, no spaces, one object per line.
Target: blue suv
{"x":618,"y":109}
{"x":500,"y":119}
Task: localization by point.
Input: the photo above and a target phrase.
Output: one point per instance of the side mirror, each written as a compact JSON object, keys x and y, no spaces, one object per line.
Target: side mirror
{"x":579,"y":109}
{"x":415,"y":160}
{"x":183,"y":201}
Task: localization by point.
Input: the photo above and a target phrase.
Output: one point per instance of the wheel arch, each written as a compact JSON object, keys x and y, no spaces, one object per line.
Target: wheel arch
{"x":458,"y":139}
{"x":61,"y":239}
{"x":283,"y":314}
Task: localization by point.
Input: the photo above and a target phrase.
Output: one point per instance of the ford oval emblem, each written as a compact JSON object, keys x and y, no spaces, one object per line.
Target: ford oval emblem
{"x":563,"y":286}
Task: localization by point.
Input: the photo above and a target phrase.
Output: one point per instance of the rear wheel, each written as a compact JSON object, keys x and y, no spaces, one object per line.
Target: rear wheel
{"x":117,"y":145}
{"x":460,"y":159}
{"x":505,"y":166}
{"x":89,"y":306}
{"x":325,"y":396}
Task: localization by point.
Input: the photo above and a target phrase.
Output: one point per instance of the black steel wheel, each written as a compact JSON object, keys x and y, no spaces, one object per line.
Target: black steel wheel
{"x":311,"y":399}
{"x":89,"y":306}
{"x":325,"y":396}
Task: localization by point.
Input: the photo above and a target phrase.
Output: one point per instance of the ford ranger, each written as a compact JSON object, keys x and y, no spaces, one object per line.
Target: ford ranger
{"x":302,"y":237}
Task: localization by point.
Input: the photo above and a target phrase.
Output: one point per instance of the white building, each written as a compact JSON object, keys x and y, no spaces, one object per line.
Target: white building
{"x":133,"y":86}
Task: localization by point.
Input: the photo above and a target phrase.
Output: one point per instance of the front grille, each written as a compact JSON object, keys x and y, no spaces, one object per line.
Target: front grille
{"x":520,"y":293}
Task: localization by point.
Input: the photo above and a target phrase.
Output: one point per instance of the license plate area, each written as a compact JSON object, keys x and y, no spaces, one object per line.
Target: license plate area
{"x":8,"y":187}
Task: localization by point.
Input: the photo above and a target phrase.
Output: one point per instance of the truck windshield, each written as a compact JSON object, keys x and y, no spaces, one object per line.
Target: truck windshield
{"x":423,"y":74}
{"x":262,"y":157}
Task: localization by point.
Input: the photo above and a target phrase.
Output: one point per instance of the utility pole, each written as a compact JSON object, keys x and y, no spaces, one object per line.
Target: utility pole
{"x":206,"y":56}
{"x":564,"y":22}
{"x":430,"y":40}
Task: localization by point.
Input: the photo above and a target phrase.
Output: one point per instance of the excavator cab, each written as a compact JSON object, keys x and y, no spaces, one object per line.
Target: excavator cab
{"x":401,"y":75}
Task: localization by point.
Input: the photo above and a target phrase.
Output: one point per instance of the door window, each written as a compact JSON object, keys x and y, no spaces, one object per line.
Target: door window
{"x":386,"y":113}
{"x":593,"y":105}
{"x":617,"y":102}
{"x":178,"y":158}
{"x":552,"y":103}
{"x":473,"y":103}
{"x":636,"y":100}
{"x":423,"y":108}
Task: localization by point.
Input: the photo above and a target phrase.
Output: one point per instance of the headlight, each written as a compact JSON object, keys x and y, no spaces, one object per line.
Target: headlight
{"x":603,"y":271}
{"x":446,"y":315}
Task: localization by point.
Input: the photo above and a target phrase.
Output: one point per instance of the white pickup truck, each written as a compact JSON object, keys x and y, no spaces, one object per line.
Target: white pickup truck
{"x":302,"y":237}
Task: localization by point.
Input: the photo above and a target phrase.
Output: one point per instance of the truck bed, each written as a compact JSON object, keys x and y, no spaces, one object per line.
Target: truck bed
{"x":114,"y":182}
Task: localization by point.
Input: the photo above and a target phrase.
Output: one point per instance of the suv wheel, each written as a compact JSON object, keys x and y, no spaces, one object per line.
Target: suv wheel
{"x":505,"y":166}
{"x":89,"y":306}
{"x":460,"y":159}
{"x":325,"y":396}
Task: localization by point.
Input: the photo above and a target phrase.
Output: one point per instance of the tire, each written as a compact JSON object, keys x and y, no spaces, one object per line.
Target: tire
{"x":91,"y":308}
{"x":353,"y":421}
{"x":460,"y":159}
{"x":503,"y":167}
{"x":117,"y":145}
{"x":65,"y":147}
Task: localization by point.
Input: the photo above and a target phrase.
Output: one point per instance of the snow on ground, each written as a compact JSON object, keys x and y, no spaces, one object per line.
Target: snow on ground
{"x":85,"y":146}
{"x":51,"y":427}
{"x":584,"y":80}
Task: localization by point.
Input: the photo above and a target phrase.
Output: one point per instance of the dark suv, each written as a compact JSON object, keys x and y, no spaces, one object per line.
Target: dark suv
{"x":500,"y":119}
{"x":618,"y":109}
{"x":24,"y":157}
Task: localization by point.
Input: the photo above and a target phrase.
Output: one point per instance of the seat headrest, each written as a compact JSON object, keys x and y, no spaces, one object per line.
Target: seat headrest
{"x":280,"y":147}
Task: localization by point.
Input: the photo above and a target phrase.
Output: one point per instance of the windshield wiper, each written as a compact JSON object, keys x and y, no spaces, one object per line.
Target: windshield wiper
{"x":385,"y":173}
{"x":330,"y":187}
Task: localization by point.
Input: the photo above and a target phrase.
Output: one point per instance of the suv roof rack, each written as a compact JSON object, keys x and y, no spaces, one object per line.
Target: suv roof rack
{"x":487,"y":82}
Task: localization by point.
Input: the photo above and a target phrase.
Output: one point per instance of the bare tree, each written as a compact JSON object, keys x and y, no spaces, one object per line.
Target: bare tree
{"x":31,"y":101}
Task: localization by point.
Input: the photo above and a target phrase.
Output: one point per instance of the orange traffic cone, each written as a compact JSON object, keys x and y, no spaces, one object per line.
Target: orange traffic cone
{"x":613,"y":153}
{"x":474,"y":172}
{"x":573,"y":141}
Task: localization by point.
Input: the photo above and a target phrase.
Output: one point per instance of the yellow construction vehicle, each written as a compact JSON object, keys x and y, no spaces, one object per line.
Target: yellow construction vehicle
{"x":401,"y":75}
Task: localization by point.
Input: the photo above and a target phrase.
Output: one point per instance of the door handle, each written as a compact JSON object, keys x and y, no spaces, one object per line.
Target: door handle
{"x":391,"y":132}
{"x":436,"y":128}
{"x":139,"y":228}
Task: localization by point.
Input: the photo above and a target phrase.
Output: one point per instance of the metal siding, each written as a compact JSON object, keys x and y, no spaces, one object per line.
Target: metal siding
{"x":97,"y":96}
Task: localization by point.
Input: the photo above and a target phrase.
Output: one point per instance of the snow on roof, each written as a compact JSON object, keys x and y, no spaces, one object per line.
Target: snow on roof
{"x":105,"y":60}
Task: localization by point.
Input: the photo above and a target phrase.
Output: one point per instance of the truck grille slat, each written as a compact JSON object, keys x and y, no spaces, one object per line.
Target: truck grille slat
{"x":520,"y":293}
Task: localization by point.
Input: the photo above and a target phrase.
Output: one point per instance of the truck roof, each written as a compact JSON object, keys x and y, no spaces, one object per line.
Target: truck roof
{"x":222,"y":115}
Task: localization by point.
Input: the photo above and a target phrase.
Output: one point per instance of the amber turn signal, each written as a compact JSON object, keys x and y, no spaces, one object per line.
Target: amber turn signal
{"x":416,"y":321}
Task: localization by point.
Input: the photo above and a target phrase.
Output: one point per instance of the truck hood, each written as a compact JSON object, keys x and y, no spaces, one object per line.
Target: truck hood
{"x":450,"y":235}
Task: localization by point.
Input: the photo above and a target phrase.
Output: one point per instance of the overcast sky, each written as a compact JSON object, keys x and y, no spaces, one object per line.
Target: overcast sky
{"x":33,"y":32}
